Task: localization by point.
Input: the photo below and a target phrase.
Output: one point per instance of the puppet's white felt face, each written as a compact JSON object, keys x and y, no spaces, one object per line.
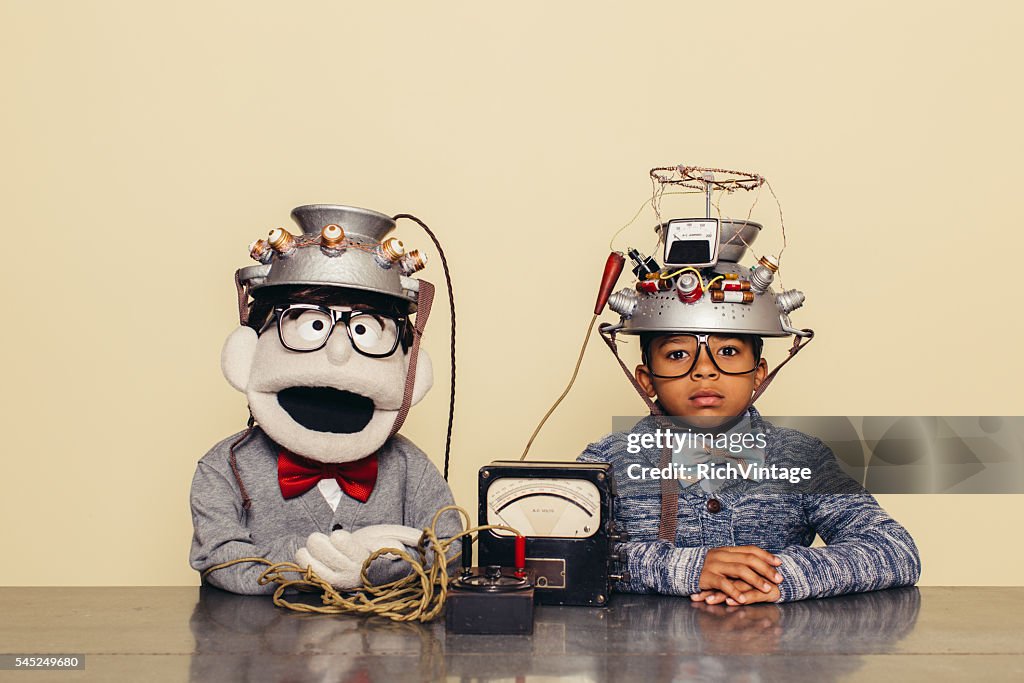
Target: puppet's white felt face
{"x":331,"y":405}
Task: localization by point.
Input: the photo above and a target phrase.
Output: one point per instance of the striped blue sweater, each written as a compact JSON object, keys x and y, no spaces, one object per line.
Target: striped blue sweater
{"x":865,"y":550}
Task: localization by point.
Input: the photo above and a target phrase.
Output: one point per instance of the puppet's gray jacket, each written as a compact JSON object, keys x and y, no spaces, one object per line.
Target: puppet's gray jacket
{"x":409,"y":491}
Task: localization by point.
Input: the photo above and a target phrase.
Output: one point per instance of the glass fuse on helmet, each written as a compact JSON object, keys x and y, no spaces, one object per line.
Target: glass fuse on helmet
{"x":732,"y":297}
{"x":654,"y":285}
{"x":730,"y":285}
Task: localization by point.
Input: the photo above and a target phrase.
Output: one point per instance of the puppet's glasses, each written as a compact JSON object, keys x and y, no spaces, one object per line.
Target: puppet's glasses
{"x":307,"y":327}
{"x":677,"y":356}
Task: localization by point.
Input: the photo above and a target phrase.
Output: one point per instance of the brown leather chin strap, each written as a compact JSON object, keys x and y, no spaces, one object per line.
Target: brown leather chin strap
{"x":670,"y":487}
{"x":424,"y":300}
{"x":608,"y":332}
{"x":798,"y":343}
{"x":243,"y":300}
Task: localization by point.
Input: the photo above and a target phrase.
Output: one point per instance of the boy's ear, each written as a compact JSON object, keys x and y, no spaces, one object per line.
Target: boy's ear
{"x":643,"y":376}
{"x":424,"y":376}
{"x":760,"y":373}
{"x":236,"y":357}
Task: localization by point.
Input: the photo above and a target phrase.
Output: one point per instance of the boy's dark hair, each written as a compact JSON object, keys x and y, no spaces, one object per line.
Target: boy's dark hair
{"x":264,"y":300}
{"x":756,"y":343}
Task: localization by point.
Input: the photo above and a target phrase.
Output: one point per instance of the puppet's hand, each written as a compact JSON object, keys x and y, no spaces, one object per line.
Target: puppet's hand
{"x":338,"y":558}
{"x":387,"y":536}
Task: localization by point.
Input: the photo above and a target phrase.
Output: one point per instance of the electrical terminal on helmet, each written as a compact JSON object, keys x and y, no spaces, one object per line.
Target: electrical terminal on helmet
{"x":281,"y":241}
{"x":389,"y":252}
{"x":332,"y":240}
{"x":412,"y":262}
{"x":261,"y":251}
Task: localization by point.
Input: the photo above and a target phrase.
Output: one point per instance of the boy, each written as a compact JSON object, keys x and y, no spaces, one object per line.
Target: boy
{"x":730,"y":544}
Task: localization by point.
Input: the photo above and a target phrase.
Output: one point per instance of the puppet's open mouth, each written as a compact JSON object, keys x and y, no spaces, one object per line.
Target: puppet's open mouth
{"x":324,"y":409}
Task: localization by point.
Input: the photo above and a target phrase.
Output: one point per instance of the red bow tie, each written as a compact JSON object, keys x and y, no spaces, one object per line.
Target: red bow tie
{"x":296,"y":475}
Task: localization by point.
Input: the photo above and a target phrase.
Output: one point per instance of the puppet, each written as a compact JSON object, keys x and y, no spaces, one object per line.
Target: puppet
{"x":329,"y":360}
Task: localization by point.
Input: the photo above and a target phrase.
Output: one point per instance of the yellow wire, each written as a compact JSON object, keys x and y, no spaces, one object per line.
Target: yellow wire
{"x":663,"y":276}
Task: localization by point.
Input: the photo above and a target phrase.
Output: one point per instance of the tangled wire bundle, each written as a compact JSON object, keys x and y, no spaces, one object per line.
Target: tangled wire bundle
{"x":417,"y":597}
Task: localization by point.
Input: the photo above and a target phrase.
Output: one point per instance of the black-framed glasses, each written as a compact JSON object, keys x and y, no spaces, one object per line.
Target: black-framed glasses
{"x":307,"y":327}
{"x":678,"y":356}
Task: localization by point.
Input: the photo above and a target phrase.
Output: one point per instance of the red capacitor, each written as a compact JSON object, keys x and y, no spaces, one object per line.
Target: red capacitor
{"x":689,"y":288}
{"x":612,"y":270}
{"x":520,"y":549}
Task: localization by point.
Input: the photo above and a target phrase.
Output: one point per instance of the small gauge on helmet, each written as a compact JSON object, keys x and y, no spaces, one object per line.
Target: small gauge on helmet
{"x":691,"y":242}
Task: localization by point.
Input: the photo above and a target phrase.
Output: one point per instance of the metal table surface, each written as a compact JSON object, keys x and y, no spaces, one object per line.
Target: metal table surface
{"x":203,"y":634}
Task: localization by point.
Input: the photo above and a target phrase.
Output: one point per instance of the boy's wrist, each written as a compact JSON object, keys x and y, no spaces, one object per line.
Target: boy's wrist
{"x":793,"y":587}
{"x":699,"y":555}
{"x":662,"y":567}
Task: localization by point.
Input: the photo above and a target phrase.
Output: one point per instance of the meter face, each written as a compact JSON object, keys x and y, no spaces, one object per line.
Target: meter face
{"x":544,"y":506}
{"x":691,"y":242}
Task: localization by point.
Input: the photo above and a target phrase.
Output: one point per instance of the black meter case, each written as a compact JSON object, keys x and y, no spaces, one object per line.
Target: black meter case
{"x":565,"y":511}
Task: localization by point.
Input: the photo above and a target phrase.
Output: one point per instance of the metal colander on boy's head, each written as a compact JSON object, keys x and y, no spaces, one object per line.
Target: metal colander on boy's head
{"x":702,"y":287}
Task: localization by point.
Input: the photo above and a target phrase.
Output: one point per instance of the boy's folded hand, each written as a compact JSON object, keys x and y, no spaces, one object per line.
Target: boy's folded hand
{"x":751,"y":595}
{"x":725,"y":569}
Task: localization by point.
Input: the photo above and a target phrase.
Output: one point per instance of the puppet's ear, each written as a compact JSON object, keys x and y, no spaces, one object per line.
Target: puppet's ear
{"x":236,"y":357}
{"x":424,"y":376}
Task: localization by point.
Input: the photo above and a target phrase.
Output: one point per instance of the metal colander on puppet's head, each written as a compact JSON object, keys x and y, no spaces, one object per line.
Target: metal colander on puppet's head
{"x":348,"y":247}
{"x":340,"y":246}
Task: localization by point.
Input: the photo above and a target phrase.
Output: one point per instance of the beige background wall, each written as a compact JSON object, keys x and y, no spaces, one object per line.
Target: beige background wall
{"x":144,"y":145}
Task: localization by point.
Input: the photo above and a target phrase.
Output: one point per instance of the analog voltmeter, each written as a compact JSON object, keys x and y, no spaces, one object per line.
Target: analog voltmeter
{"x":565,"y":511}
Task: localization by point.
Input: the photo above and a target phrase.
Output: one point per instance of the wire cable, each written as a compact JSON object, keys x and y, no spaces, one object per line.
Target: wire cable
{"x":576,"y":371}
{"x":417,"y":597}
{"x":451,"y":304}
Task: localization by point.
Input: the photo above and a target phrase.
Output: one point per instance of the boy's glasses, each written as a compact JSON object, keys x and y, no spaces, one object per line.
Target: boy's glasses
{"x":307,"y":327}
{"x":678,"y":356}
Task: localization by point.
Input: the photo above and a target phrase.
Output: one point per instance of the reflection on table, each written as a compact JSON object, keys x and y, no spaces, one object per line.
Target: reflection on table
{"x":637,"y":637}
